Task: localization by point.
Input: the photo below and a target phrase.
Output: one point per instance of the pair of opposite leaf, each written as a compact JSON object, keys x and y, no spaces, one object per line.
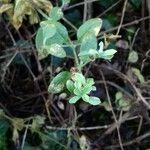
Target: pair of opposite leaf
{"x":77,"y":85}
{"x":93,"y":54}
{"x":52,"y":35}
{"x":81,"y":89}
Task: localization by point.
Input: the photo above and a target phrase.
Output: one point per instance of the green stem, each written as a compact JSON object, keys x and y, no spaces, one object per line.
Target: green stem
{"x":43,"y":14}
{"x":70,"y":24}
{"x":75,"y":56}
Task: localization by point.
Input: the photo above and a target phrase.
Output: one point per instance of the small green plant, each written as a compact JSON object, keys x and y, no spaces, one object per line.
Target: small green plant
{"x":122,"y":101}
{"x":52,"y":38}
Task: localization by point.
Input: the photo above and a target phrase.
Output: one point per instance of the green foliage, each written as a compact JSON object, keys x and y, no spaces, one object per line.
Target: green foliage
{"x":48,"y":28}
{"x":18,"y":125}
{"x":93,"y":54}
{"x":55,"y":50}
{"x":92,"y":26}
{"x":56,"y":14}
{"x":52,"y":35}
{"x":59,"y":81}
{"x":138,"y":74}
{"x":81,"y":87}
{"x":133,"y":57}
{"x":19,"y":9}
{"x":89,"y":42}
{"x":51,"y":39}
{"x":122,"y":102}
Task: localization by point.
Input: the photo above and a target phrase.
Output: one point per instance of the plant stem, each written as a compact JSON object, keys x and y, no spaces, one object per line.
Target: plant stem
{"x":75,"y":56}
{"x":43,"y":14}
{"x":69,"y":23}
{"x":76,"y":59}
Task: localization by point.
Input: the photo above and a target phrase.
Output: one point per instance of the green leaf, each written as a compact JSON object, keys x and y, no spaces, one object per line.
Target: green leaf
{"x":58,"y":83}
{"x":88,"y":42}
{"x":90,"y":81}
{"x":92,"y":52}
{"x":77,"y":90}
{"x":83,"y":54}
{"x":48,"y":29}
{"x":82,"y":88}
{"x":74,"y":99}
{"x":94,"y":100}
{"x":62,"y":31}
{"x":118,"y":96}
{"x":78,"y":77}
{"x":84,"y":144}
{"x":106,"y":105}
{"x":86,"y":57}
{"x":124,"y":104}
{"x":70,"y":85}
{"x":91,"y":26}
{"x":88,"y":86}
{"x":56,"y":14}
{"x":61,"y":36}
{"x":87,"y":89}
{"x":138,"y":74}
{"x":93,"y":88}
{"x":133,"y":57}
{"x":47,"y":50}
{"x":85,"y":97}
{"x":121,"y":102}
{"x":46,"y":41}
{"x":39,"y":39}
{"x":107,"y":54}
{"x":55,"y":50}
